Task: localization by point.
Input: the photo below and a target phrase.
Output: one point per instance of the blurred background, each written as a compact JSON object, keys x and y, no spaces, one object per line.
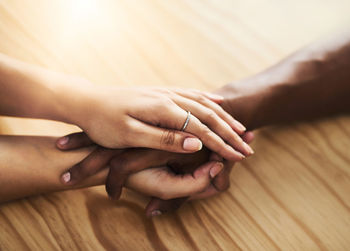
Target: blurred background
{"x":146,"y":42}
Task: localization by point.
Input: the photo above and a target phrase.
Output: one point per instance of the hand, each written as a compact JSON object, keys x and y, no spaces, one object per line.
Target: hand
{"x":219,"y":183}
{"x":120,"y":165}
{"x":125,"y":169}
{"x":152,"y":118}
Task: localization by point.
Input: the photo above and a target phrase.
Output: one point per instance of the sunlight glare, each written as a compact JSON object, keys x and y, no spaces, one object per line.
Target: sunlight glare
{"x":83,"y":11}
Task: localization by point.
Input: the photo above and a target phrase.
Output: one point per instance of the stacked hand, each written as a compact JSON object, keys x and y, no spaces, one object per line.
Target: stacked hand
{"x":122,"y":123}
{"x":153,"y":118}
{"x":170,"y":178}
{"x":118,"y":119}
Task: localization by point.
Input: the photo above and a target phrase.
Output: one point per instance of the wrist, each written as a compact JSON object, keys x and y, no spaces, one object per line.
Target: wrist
{"x":73,"y":99}
{"x":249,"y":101}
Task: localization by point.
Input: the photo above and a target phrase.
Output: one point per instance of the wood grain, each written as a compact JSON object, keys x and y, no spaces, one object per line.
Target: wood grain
{"x":292,"y":195}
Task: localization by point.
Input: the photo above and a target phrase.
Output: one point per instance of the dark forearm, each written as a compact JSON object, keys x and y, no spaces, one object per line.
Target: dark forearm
{"x":33,"y":165}
{"x":312,"y":83}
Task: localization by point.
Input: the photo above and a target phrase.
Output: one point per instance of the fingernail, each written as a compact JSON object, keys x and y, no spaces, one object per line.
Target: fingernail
{"x":216,"y":169}
{"x":192,"y":144}
{"x":156,"y":213}
{"x":239,"y":126}
{"x":241,"y":156}
{"x":248,"y":148}
{"x":66,"y":177}
{"x":64,"y":140}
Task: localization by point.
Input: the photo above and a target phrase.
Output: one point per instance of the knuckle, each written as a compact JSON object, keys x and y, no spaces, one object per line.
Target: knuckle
{"x":118,"y":163}
{"x":219,"y":109}
{"x":159,"y":104}
{"x":164,"y":91}
{"x":166,"y":102}
{"x":206,"y":132}
{"x":123,"y":165}
{"x":201,"y":98}
{"x":211,"y":116}
{"x":86,"y":170}
{"x":168,"y":138}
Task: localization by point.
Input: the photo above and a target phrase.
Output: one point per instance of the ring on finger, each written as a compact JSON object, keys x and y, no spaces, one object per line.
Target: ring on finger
{"x":187,"y":121}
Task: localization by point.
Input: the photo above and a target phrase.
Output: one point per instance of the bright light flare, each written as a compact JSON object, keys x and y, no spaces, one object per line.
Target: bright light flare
{"x":84,"y":11}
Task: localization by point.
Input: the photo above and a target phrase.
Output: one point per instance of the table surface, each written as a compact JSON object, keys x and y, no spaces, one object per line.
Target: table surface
{"x":292,"y":195}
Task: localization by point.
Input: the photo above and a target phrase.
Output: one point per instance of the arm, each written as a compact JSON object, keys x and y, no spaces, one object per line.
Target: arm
{"x":29,"y":91}
{"x":312,"y":83}
{"x":131,"y":117}
{"x":32,"y":165}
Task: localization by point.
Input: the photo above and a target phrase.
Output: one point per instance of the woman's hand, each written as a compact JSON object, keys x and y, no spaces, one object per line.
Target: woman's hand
{"x":121,"y":117}
{"x":153,"y":118}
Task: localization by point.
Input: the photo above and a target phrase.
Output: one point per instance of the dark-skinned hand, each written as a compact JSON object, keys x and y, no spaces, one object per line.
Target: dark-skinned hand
{"x":162,"y":171}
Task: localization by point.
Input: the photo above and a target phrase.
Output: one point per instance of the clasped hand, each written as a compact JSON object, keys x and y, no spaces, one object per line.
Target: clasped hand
{"x":121,"y":123}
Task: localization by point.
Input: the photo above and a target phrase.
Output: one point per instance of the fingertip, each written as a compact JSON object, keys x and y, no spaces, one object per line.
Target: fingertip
{"x":214,"y":97}
{"x":66,"y":177}
{"x":248,"y":137}
{"x":238,"y":127}
{"x":113,"y":193}
{"x":153,"y":209}
{"x":216,"y":169}
{"x":192,"y":144}
{"x":236,"y":157}
{"x":62,"y":142}
{"x":155,"y":212}
{"x":204,"y":170}
{"x":248,"y":149}
{"x":152,"y":205}
{"x":74,"y":141}
{"x":157,"y":207}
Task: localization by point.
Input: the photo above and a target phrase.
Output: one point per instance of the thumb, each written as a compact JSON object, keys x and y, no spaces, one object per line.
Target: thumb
{"x":74,"y":141}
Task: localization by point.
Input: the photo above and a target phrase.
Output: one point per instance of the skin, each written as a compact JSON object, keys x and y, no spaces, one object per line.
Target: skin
{"x":131,"y":117}
{"x":31,"y":165}
{"x":312,"y":83}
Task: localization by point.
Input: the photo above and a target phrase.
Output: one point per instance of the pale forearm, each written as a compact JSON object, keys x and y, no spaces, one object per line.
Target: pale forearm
{"x":34,"y":92}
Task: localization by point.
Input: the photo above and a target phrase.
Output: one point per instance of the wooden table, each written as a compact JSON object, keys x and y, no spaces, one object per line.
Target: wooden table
{"x":294,"y":194}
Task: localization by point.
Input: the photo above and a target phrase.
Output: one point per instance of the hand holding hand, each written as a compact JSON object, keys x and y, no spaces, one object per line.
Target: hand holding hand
{"x":156,"y":173}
